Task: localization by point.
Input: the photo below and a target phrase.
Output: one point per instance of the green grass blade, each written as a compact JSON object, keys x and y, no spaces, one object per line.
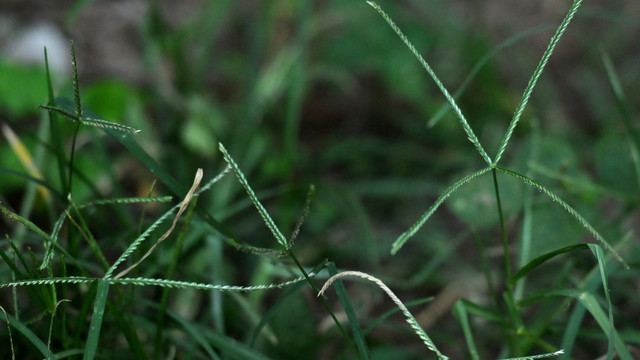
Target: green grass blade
{"x":91,"y":346}
{"x":30,"y":335}
{"x":597,"y":252}
{"x":173,"y":265}
{"x":30,"y":178}
{"x":356,"y":329}
{"x":465,"y":125}
{"x":569,"y":209}
{"x":13,"y":351}
{"x":415,"y":227}
{"x":534,"y":78}
{"x":191,"y":329}
{"x":411,"y":320}
{"x":177,"y":189}
{"x":589,"y":302}
{"x":503,"y":233}
{"x":127,"y":329}
{"x":254,"y":199}
{"x":30,"y":225}
{"x":460,"y":312}
{"x":282,"y":300}
{"x":533,"y":264}
{"x":571,"y":329}
{"x":621,"y":100}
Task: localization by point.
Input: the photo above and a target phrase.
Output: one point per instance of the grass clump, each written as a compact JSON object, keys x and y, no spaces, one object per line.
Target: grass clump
{"x":189,"y":271}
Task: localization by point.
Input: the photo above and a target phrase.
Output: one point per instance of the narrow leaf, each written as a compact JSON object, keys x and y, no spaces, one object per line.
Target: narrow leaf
{"x":410,"y":318}
{"x":30,"y":335}
{"x":91,"y":346}
{"x":356,"y":329}
{"x":569,"y":209}
{"x":542,"y":259}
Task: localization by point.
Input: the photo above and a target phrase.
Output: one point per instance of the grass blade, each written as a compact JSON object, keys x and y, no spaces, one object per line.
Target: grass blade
{"x":413,"y":229}
{"x":410,"y":318}
{"x":534,"y":78}
{"x":597,"y":252}
{"x":356,"y":329}
{"x":589,"y":302}
{"x":460,"y":312}
{"x":195,"y":333}
{"x":525,"y":270}
{"x":282,"y":300}
{"x":569,"y":209}
{"x":91,"y":346}
{"x":30,"y":335}
{"x":465,"y":125}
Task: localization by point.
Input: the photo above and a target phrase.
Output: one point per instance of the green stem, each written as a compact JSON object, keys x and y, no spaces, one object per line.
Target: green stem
{"x":505,"y":245}
{"x":324,"y":302}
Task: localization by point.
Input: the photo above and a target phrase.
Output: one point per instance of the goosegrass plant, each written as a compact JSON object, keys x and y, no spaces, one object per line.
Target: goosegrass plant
{"x":101,"y":285}
{"x":72,"y":274}
{"x":512,"y":318}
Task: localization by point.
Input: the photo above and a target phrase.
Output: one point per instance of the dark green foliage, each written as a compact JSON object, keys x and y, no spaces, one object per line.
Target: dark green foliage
{"x":520,"y":243}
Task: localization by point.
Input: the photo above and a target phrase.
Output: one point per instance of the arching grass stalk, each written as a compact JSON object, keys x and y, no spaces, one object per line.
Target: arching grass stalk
{"x":410,"y":318}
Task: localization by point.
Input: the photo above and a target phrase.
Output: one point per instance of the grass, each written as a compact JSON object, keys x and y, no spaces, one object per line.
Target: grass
{"x":122,"y":236}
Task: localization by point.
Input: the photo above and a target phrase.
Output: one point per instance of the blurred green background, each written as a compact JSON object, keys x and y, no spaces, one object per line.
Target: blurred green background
{"x":324,"y":93}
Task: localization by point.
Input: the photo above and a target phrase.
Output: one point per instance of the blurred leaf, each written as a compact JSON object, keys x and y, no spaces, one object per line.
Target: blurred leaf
{"x":614,"y":164}
{"x":21,"y":88}
{"x":475,"y":203}
{"x":109,"y":98}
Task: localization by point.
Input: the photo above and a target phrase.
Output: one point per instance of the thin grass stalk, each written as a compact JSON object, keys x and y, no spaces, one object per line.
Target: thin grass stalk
{"x":623,"y":106}
{"x":83,"y":228}
{"x":486,"y":270}
{"x":460,"y":312}
{"x":322,"y":299}
{"x":91,"y":346}
{"x":503,"y":232}
{"x":465,"y":125}
{"x":527,"y":213}
{"x":597,"y":250}
{"x":30,"y":336}
{"x":13,"y":352}
{"x":170,"y":272}
{"x":534,"y":79}
{"x":356,"y":329}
